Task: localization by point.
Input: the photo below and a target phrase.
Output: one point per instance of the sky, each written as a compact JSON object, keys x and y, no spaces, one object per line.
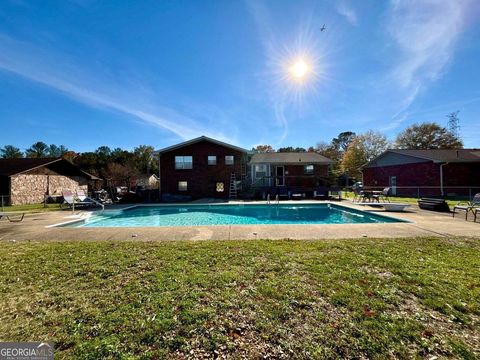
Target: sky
{"x":87,"y":73}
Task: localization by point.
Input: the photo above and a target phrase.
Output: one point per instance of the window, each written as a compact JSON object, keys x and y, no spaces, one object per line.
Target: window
{"x":220,"y":187}
{"x":229,"y":160}
{"x":183,"y":162}
{"x":212,"y":160}
{"x":260,"y":171}
{"x":182,"y":186}
{"x":308,"y":169}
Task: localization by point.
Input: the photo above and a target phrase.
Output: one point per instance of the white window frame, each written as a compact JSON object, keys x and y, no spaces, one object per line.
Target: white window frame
{"x":227,"y":162}
{"x":308,"y":172}
{"x":181,"y":187}
{"x":183,"y":165}
{"x":212,"y":161}
{"x":261,"y":172}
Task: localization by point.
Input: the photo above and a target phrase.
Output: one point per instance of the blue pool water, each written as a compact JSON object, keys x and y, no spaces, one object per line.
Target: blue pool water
{"x":195,"y":215}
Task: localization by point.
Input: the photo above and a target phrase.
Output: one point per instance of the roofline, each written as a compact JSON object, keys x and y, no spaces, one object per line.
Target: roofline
{"x":415,"y":156}
{"x":198,"y":139}
{"x":436,"y":161}
{"x":36,"y":167}
{"x":93,"y":177}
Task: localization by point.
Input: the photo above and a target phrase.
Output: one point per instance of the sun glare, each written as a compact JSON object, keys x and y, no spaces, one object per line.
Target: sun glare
{"x":299,"y":69}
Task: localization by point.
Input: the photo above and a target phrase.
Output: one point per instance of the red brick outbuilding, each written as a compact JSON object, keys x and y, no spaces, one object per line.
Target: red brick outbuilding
{"x":425,"y":172}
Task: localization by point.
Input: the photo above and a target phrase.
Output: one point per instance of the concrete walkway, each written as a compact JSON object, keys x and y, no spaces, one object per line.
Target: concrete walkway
{"x":423,"y":223}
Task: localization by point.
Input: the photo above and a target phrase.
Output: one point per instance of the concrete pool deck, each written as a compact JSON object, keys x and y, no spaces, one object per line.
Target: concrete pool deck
{"x":422,"y":223}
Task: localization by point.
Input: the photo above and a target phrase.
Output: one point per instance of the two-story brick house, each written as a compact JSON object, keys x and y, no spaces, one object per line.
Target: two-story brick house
{"x":201,"y":167}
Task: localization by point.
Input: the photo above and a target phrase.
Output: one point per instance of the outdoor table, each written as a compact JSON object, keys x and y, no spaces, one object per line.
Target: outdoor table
{"x":369,"y":194}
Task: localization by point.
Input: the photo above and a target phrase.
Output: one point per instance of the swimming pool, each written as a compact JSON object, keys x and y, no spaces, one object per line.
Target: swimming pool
{"x":206,"y":215}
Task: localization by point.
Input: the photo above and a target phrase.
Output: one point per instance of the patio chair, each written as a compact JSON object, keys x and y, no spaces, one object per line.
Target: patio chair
{"x":82,"y":196}
{"x":383,"y":196}
{"x":336,"y":193}
{"x":357,"y":193}
{"x":320,"y":193}
{"x":475,"y":213}
{"x":283,"y":192}
{"x":470,"y":206}
{"x":10,"y":216}
{"x":70,"y":200}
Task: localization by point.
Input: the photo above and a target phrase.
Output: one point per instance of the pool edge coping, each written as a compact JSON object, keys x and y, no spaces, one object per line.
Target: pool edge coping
{"x":90,"y":214}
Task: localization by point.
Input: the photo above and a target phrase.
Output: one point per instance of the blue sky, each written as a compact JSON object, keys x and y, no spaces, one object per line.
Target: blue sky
{"x":87,"y":73}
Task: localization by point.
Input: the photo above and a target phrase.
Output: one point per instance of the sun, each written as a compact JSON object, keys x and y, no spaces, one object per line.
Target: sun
{"x":299,"y":69}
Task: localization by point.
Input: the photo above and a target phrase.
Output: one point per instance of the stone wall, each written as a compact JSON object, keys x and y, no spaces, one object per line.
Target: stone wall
{"x":32,"y":188}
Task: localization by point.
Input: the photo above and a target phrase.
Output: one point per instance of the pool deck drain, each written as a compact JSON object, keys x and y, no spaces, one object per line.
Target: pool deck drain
{"x":423,"y":223}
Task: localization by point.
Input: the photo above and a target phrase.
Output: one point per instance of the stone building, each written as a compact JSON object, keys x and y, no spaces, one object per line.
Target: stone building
{"x":28,"y":181}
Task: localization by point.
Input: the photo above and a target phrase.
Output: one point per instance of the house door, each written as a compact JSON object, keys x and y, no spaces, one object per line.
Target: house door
{"x":393,"y":185}
{"x":280,"y":176}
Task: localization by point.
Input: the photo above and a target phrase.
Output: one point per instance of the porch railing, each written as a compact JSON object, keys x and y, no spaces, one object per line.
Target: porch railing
{"x":272,"y":180}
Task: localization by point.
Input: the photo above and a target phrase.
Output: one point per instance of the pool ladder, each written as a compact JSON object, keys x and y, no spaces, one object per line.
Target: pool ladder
{"x":277,"y":200}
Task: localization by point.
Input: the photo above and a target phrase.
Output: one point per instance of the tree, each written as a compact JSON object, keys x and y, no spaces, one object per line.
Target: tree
{"x":120,"y":174}
{"x":374,"y":144}
{"x":10,"y":152}
{"x":353,"y":159}
{"x":343,"y":139}
{"x":56,"y":151}
{"x":38,"y":150}
{"x":70,"y":155}
{"x":427,"y":136}
{"x":103,"y":151}
{"x":291,"y":149}
{"x":144,"y":158}
{"x":361,"y":150}
{"x":263,"y":149}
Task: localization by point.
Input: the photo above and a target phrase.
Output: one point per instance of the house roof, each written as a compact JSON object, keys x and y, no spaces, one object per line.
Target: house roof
{"x":290,"y":158}
{"x":10,"y":167}
{"x":199,"y":139}
{"x":442,"y":155}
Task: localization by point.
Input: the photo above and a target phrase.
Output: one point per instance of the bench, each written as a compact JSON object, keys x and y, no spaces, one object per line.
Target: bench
{"x":433,"y":204}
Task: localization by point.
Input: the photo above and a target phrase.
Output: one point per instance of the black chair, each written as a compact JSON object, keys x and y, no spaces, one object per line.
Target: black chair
{"x":320,"y":193}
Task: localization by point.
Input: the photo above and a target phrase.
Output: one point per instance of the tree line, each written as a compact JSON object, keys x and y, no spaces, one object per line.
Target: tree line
{"x":118,"y":165}
{"x":349,"y":151}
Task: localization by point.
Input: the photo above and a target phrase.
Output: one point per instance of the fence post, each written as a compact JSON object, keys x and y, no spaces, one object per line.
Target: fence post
{"x":418,"y":193}
{"x":2,"y":202}
{"x":469,"y":194}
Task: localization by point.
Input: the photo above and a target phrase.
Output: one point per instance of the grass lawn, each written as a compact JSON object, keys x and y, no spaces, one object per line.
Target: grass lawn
{"x":32,"y":207}
{"x":362,"y":298}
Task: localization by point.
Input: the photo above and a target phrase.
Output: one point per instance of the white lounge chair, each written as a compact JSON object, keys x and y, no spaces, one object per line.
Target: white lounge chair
{"x":70,"y":200}
{"x":82,"y":195}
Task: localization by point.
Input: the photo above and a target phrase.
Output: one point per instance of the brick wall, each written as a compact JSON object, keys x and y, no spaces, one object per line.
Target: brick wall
{"x":425,"y":174}
{"x":202,"y":178}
